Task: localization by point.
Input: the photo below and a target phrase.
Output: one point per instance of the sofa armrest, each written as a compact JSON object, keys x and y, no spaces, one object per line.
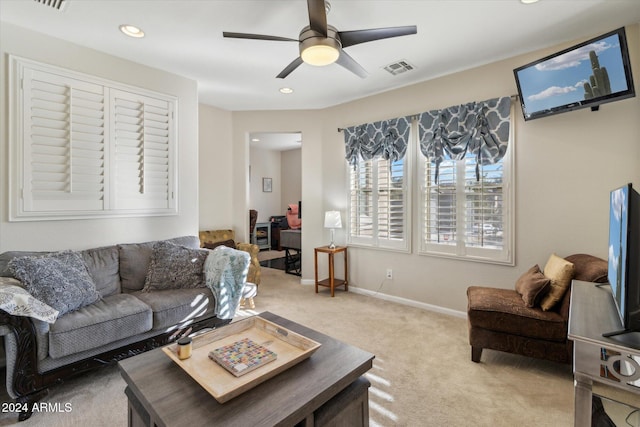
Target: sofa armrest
{"x":16,"y":300}
{"x":22,"y":355}
{"x":254,"y":267}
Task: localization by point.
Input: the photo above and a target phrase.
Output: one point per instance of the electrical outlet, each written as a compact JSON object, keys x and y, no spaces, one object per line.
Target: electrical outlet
{"x":389,"y":274}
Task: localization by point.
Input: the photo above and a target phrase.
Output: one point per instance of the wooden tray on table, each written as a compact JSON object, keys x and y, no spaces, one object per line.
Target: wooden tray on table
{"x":290,"y":347}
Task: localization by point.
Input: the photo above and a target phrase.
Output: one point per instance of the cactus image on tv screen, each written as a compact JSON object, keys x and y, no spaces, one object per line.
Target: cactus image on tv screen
{"x":587,"y":74}
{"x":599,"y":83}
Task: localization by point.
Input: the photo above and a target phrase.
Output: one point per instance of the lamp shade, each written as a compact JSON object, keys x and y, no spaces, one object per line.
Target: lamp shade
{"x":332,"y":219}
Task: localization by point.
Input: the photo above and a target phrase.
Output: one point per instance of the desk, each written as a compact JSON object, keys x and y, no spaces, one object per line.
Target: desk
{"x":326,"y":389}
{"x":332,"y":282}
{"x":611,"y":362}
{"x":291,"y":240}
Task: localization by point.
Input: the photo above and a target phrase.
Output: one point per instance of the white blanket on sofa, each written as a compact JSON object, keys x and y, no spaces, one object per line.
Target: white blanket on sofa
{"x":225,"y":272}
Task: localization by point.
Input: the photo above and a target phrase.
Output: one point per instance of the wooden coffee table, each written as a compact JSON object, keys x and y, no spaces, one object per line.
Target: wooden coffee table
{"x":326,"y":388}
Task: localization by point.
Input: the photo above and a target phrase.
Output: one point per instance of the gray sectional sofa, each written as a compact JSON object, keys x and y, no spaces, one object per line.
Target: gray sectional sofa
{"x":124,"y":318}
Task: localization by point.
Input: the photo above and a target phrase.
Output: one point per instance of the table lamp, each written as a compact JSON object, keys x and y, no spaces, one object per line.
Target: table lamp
{"x":332,"y":221}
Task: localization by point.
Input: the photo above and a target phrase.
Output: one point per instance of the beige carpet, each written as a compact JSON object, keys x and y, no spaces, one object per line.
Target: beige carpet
{"x":422,"y":374}
{"x":267,"y":255}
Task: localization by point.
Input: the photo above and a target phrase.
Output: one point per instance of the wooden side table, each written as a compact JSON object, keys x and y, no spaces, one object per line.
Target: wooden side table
{"x":332,"y":282}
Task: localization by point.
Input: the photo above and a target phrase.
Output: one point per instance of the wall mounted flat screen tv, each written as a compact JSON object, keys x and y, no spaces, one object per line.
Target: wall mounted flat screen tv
{"x":586,"y":75}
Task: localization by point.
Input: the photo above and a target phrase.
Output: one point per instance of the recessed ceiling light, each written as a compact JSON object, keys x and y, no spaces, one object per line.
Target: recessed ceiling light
{"x":528,"y":1}
{"x":255,"y":140}
{"x":131,"y":30}
{"x":286,"y":90}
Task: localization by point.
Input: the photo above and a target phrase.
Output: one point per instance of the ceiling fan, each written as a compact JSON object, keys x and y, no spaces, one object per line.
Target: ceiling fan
{"x":322,"y":44}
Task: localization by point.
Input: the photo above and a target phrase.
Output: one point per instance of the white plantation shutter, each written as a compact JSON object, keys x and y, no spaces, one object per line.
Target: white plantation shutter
{"x":378,"y":204}
{"x":64,"y":153}
{"x":391,"y":199}
{"x":483,"y":205}
{"x":439,"y":215}
{"x":361,"y":200}
{"x":463,"y":216}
{"x":142,"y":143}
{"x":87,"y":147}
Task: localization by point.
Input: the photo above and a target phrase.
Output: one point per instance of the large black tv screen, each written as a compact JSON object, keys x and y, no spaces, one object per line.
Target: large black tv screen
{"x":585,"y":75}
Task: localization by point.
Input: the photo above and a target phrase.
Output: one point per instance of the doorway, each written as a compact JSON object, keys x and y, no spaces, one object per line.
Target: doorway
{"x":275,"y":182}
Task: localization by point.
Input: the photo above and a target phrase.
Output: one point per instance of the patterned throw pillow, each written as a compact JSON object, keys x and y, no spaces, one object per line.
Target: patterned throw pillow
{"x":173,"y":266}
{"x":60,"y":280}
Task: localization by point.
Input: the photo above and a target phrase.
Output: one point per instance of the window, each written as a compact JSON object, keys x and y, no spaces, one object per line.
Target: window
{"x":466,"y":217}
{"x":86,"y":147}
{"x":379,"y":204}
{"x":465,"y":208}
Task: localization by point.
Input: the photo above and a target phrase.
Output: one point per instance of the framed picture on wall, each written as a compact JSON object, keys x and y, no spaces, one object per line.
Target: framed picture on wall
{"x":266,"y":185}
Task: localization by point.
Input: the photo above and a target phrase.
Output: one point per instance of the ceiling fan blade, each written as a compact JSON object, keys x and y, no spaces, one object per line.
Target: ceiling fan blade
{"x":317,"y":16}
{"x":256,"y":37}
{"x":350,"y":38}
{"x":350,"y":64}
{"x":289,"y":68}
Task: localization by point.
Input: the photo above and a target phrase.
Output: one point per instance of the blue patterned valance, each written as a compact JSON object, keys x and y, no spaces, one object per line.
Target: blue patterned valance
{"x":478,"y":129}
{"x":387,"y":139}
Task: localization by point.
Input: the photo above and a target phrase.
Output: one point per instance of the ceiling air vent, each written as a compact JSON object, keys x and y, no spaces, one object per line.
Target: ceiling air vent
{"x":399,"y":67}
{"x":55,"y":4}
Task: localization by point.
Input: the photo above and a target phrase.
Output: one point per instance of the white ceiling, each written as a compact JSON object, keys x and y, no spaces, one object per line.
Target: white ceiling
{"x":185,"y":37}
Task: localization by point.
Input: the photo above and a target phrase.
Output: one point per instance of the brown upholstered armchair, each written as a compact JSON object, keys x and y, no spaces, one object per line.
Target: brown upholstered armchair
{"x":499,"y":319}
{"x":209,"y":238}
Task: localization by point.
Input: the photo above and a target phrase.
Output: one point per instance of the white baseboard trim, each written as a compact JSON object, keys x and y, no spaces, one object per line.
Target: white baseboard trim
{"x":399,"y":300}
{"x":409,"y":302}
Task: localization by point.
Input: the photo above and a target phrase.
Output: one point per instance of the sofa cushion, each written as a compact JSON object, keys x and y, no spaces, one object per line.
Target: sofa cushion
{"x":60,"y":280}
{"x":503,"y":310}
{"x":175,"y":306}
{"x":589,"y":268}
{"x":175,"y":267}
{"x":136,"y":257}
{"x":213,"y":236}
{"x":112,"y":318}
{"x":560,"y":272}
{"x":103,"y":266}
{"x":532,"y":285}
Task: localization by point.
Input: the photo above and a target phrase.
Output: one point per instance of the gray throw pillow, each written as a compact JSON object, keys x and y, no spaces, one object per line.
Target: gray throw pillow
{"x":60,"y":280}
{"x":173,"y":266}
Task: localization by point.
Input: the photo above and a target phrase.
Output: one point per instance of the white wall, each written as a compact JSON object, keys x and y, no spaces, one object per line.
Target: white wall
{"x":80,"y":234}
{"x":214,"y":159}
{"x":265,"y":164}
{"x":565,"y":166}
{"x":291,"y":178}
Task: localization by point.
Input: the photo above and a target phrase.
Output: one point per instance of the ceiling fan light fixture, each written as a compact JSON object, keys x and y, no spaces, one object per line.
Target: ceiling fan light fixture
{"x":320,"y":55}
